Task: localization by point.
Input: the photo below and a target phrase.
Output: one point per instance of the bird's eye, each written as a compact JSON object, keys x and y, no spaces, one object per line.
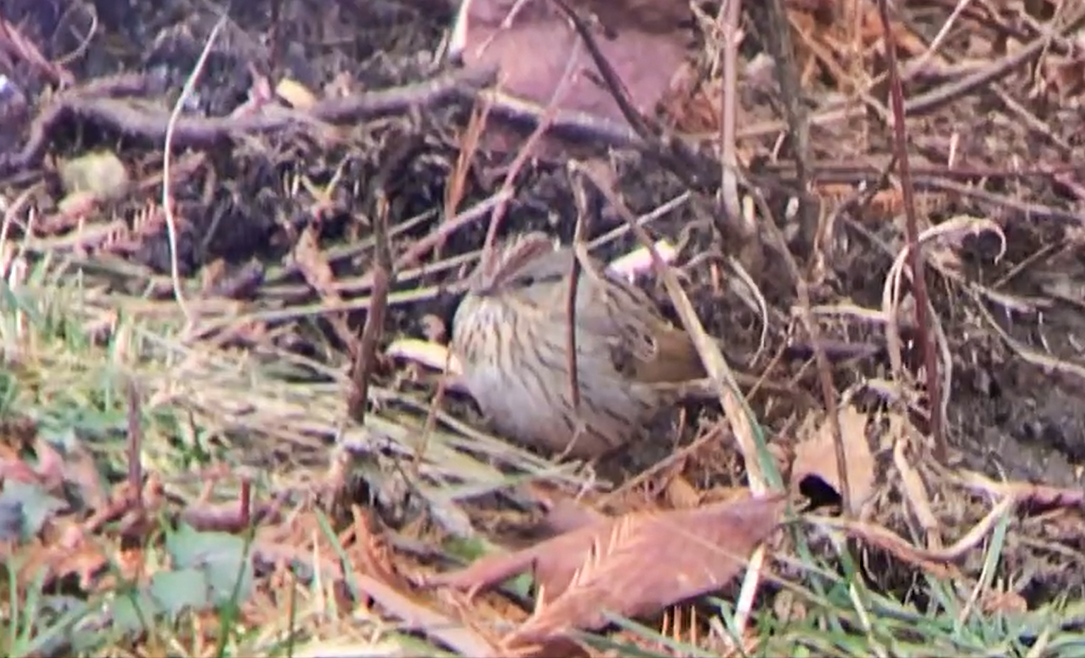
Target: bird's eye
{"x":525,"y":281}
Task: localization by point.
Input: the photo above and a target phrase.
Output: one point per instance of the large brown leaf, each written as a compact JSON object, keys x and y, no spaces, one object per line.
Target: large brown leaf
{"x":635,"y":565}
{"x":643,"y":44}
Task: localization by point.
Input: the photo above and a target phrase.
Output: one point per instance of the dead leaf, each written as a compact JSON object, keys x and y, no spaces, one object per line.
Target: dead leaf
{"x":295,"y":93}
{"x":681,"y":494}
{"x":416,"y":615}
{"x":430,"y":354}
{"x":1006,"y":603}
{"x":63,"y":550}
{"x":649,"y":561}
{"x":692,"y":105}
{"x":639,"y":261}
{"x":531,"y":51}
{"x":313,"y":264}
{"x":318,"y":273}
{"x":100,"y":173}
{"x":632,"y":566}
{"x":816,"y":457}
{"x":563,"y":513}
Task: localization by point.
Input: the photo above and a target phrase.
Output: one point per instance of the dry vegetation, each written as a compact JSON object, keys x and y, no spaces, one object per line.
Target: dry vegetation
{"x":231,"y":249}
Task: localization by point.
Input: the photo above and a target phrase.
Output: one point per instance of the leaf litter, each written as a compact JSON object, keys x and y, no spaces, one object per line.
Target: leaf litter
{"x":629,"y":566}
{"x":815,"y":457}
{"x":239,"y":494}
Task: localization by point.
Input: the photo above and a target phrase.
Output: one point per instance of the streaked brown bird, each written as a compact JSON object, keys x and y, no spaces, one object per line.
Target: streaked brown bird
{"x":510,"y":334}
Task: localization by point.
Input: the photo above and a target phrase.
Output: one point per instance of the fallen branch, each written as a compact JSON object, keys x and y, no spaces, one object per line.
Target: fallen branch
{"x":99,"y":102}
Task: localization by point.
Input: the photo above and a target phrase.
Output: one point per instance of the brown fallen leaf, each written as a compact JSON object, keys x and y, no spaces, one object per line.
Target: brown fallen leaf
{"x":816,"y":457}
{"x":317,"y":272}
{"x":1008,"y":603}
{"x":63,"y":550}
{"x":530,"y":42}
{"x":531,"y":48}
{"x":563,"y":512}
{"x":631,"y":566}
{"x":680,"y":493}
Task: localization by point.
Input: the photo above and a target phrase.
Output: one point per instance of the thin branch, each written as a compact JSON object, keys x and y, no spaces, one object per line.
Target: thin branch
{"x":915,"y":250}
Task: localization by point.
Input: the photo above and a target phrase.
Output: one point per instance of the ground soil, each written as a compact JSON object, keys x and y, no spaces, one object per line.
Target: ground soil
{"x":1008,"y":416}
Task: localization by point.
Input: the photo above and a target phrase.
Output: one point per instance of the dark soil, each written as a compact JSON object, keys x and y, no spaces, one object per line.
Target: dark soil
{"x":1010,"y":416}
